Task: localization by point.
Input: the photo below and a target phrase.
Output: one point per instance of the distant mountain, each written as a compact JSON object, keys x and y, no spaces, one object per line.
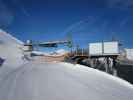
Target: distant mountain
{"x":59,"y":52}
{"x":39,"y":53}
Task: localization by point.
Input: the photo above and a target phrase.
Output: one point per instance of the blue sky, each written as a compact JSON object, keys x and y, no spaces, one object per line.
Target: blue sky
{"x":87,"y":20}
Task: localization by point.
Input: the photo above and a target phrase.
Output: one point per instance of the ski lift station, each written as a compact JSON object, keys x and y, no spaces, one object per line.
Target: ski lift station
{"x":107,"y":50}
{"x":104,"y":49}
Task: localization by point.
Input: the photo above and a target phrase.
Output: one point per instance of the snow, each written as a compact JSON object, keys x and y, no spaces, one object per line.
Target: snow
{"x":6,"y":36}
{"x":62,"y":81}
{"x":10,"y":49}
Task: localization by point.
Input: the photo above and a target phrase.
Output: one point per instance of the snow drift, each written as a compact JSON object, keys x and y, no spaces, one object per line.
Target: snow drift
{"x":10,"y":49}
{"x":62,"y":81}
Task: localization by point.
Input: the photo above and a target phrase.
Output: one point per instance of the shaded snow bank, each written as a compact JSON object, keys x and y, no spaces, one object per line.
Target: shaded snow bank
{"x":10,"y":49}
{"x":62,"y":81}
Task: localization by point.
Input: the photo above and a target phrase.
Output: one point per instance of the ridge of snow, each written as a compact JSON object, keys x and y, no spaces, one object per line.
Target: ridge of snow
{"x":7,"y":35}
{"x":10,"y":49}
{"x":104,"y":74}
{"x":61,"y":81}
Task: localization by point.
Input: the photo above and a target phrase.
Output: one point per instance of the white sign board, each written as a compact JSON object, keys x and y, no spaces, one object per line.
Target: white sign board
{"x":104,"y":48}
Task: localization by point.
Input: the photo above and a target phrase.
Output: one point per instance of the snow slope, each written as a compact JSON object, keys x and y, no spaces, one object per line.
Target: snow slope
{"x":62,"y":81}
{"x":10,"y":49}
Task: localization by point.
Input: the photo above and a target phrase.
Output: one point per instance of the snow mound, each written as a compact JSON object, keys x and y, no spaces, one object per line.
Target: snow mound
{"x":9,"y":38}
{"x":62,"y":81}
{"x":10,"y":49}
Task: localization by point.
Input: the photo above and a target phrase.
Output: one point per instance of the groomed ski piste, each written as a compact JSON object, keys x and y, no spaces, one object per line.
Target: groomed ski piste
{"x":39,"y":80}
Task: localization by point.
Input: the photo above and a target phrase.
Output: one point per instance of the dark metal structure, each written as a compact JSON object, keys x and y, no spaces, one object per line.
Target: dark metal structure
{"x":31,"y":44}
{"x":109,"y":62}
